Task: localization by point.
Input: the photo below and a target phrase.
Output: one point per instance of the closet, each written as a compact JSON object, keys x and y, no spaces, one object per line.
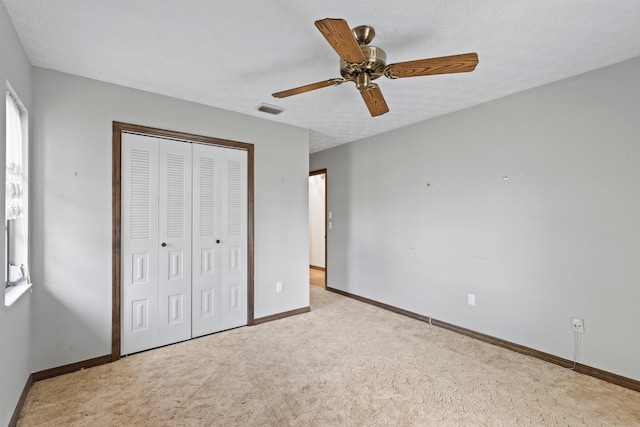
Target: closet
{"x":183,"y":240}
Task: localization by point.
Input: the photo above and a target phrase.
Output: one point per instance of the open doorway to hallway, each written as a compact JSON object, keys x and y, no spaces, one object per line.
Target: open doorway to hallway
{"x":317,"y":227}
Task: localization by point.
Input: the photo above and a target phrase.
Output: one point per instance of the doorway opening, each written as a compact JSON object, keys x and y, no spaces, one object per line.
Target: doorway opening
{"x":318,"y":228}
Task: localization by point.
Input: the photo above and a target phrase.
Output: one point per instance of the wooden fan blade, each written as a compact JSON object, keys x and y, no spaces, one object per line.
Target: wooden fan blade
{"x":375,"y":101}
{"x":340,"y":37}
{"x":426,"y":67}
{"x":307,"y":88}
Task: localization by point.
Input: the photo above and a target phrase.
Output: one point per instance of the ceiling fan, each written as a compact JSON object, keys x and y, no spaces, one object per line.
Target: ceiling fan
{"x":362,"y":63}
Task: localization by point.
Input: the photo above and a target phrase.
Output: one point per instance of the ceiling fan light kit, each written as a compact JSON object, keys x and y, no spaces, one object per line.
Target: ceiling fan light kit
{"x":362,"y":63}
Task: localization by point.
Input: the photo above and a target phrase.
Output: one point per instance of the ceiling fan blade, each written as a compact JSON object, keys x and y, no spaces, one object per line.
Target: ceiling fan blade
{"x":307,"y":88}
{"x":426,"y":67}
{"x":340,"y":37}
{"x":375,"y":101}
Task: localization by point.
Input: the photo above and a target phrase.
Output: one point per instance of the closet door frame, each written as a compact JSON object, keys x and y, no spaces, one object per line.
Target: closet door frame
{"x":118,"y":129}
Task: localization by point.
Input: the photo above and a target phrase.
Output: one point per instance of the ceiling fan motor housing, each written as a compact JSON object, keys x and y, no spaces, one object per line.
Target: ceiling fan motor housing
{"x":375,"y":58}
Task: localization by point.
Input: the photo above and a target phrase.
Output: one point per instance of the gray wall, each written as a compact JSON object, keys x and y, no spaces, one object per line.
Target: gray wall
{"x":423,"y":215}
{"x":71,"y":206}
{"x":15,"y":321}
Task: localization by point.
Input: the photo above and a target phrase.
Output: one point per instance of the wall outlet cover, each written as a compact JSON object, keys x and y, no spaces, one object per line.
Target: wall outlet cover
{"x":577,"y":325}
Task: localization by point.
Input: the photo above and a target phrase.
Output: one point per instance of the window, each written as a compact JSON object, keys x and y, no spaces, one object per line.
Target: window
{"x":16,"y":275}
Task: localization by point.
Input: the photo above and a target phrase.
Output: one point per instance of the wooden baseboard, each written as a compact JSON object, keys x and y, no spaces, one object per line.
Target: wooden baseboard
{"x":281,"y":315}
{"x":566,"y":363}
{"x":72,"y":367}
{"x":380,"y":304}
{"x":315,"y":267}
{"x":23,"y":398}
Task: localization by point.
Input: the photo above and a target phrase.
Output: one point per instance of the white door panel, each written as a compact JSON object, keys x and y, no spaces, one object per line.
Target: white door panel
{"x":219,"y":234}
{"x":175,"y":237}
{"x":234,"y":240}
{"x":207,"y":176}
{"x":139,"y":237}
{"x":184,"y":240}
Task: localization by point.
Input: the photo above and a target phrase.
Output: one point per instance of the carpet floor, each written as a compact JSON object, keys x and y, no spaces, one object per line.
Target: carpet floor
{"x":345,"y":363}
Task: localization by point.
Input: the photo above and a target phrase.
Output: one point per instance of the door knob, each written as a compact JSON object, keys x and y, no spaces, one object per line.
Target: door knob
{"x":218,"y":241}
{"x":163,"y":244}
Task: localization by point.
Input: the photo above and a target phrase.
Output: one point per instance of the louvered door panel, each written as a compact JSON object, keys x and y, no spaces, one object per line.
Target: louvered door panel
{"x":207,"y":176}
{"x":139,"y":243}
{"x":175,"y":237}
{"x":234,"y":237}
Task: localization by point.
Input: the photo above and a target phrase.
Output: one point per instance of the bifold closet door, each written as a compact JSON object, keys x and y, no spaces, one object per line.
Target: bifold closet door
{"x":219,"y":277}
{"x":155,"y":242}
{"x":183,"y":241}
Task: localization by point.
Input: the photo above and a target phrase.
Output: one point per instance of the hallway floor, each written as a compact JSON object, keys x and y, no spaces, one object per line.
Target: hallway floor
{"x":317,"y":277}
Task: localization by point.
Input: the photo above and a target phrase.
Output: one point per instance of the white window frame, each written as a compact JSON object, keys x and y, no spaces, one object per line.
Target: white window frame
{"x":12,"y":293}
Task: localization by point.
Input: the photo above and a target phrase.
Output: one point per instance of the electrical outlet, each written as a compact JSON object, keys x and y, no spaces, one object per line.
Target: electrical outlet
{"x":471,"y":299}
{"x":278,"y":286}
{"x":577,"y":325}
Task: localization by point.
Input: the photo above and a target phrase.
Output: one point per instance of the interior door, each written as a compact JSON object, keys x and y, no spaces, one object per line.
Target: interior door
{"x":140,"y":245}
{"x":174,"y":282}
{"x":234,"y":239}
{"x":156,"y":242}
{"x":219,"y":280}
{"x":206,"y":240}
{"x":184,"y":241}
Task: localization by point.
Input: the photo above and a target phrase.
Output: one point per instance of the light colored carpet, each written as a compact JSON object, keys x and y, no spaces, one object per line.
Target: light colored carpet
{"x":343,"y":364}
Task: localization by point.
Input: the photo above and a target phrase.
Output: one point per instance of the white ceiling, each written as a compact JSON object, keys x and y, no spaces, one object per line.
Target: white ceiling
{"x":233,"y":54}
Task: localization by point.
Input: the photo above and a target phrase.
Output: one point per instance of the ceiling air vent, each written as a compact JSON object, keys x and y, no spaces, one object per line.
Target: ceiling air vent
{"x":270,"y":109}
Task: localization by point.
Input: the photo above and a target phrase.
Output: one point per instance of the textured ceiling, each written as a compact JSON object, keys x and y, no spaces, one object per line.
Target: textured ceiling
{"x":233,"y":54}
